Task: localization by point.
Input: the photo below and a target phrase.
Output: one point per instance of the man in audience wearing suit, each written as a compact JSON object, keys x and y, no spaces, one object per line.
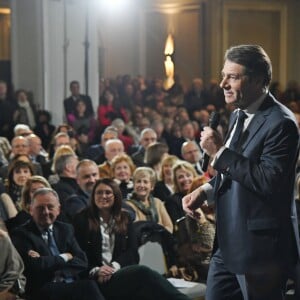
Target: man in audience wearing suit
{"x":190,"y":152}
{"x":70,"y":103}
{"x":53,"y":260}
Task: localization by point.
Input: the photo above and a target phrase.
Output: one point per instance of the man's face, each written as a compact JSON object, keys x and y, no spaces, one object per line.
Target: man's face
{"x":44,"y":209}
{"x":20,"y":146}
{"x":188,"y":131}
{"x":191,"y":153}
{"x":35,"y":145}
{"x":148,"y":138}
{"x":72,"y":165}
{"x":87,"y":175}
{"x":62,"y":140}
{"x":113,"y":149}
{"x":109,"y":135}
{"x":238,"y":88}
{"x":75,"y":90}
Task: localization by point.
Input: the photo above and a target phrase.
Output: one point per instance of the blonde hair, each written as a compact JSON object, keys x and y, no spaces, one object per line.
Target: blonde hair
{"x":120,"y":158}
{"x":141,"y":172}
{"x":25,"y":199}
{"x":61,"y":150}
{"x":182,"y":165}
{"x":170,"y":159}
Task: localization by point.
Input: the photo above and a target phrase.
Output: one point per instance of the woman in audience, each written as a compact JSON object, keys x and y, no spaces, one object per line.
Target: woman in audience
{"x":165,"y":186}
{"x":105,"y":233}
{"x":123,"y":168}
{"x":109,"y":108}
{"x":154,"y":155}
{"x":18,"y":173}
{"x":32,"y":184}
{"x":7,"y":207}
{"x":146,"y":207}
{"x":82,"y":121}
{"x":183,"y":176}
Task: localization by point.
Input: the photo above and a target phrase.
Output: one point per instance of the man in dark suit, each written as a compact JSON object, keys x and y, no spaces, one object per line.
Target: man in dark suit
{"x":70,"y":103}
{"x":53,"y":259}
{"x":257,"y":235}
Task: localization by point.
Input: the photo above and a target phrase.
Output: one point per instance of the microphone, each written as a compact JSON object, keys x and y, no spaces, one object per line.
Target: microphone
{"x":213,"y":123}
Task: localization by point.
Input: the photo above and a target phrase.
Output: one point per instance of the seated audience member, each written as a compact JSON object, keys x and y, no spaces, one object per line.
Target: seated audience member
{"x":127,"y":140}
{"x":146,"y":207}
{"x":191,"y":153}
{"x":7,"y":207}
{"x":81,"y":119}
{"x":25,"y":111}
{"x":20,"y":147}
{"x":61,"y":136}
{"x":18,"y":173}
{"x":12,"y":280}
{"x":154,"y":154}
{"x":87,"y":173}
{"x":60,"y":139}
{"x":96,"y":152}
{"x":67,"y":187}
{"x":44,"y":129}
{"x":165,"y":186}
{"x":123,"y":168}
{"x":52,"y":257}
{"x":61,"y":150}
{"x":104,"y":231}
{"x":32,"y":184}
{"x":201,"y":232}
{"x":109,"y":108}
{"x":36,"y":151}
{"x":188,"y":133}
{"x":148,"y":136}
{"x":5,"y":149}
{"x":183,"y":176}
{"x":22,"y":130}
{"x":70,"y":102}
{"x":112,"y":148}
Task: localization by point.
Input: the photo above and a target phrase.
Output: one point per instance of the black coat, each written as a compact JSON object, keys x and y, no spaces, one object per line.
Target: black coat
{"x":125,"y":250}
{"x":42,"y":270}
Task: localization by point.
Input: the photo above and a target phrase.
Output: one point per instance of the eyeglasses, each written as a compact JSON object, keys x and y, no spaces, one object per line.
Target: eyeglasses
{"x":107,"y":193}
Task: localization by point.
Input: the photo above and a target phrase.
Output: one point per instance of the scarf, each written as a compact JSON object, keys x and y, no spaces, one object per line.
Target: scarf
{"x":150,"y":212}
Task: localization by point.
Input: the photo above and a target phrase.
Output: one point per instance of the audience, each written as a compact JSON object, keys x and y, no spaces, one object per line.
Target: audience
{"x":146,"y":207}
{"x":52,"y":257}
{"x":106,"y":235}
{"x":123,"y":168}
{"x":112,"y":148}
{"x":154,"y":115}
{"x":32,"y":184}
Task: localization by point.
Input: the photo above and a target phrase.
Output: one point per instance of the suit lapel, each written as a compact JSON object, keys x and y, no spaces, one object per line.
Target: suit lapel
{"x":257,"y":122}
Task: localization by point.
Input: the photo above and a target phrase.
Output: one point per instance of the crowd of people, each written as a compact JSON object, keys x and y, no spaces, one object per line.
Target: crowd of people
{"x":102,"y":181}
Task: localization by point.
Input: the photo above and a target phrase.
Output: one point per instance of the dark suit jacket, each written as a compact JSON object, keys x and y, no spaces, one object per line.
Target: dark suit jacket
{"x":42,"y":270}
{"x":69,"y":104}
{"x":125,"y":250}
{"x":255,"y":197}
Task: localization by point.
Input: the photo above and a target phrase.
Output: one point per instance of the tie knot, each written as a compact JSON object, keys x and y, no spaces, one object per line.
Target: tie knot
{"x":241,"y":115}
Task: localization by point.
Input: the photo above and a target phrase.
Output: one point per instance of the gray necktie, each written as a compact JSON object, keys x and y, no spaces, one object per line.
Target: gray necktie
{"x":51,"y":243}
{"x":235,"y":141}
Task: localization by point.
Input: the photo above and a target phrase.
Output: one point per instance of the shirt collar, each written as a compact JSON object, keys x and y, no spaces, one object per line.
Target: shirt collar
{"x":253,"y":107}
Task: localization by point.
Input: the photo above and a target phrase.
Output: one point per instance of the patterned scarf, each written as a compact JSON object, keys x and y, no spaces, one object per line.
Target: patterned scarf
{"x":150,"y":212}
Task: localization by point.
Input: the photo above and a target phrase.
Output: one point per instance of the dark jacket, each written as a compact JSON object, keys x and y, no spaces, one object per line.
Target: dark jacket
{"x":125,"y":250}
{"x":41,"y":270}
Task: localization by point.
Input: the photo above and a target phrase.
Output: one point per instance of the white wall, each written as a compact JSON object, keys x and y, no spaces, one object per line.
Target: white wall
{"x":40,"y":30}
